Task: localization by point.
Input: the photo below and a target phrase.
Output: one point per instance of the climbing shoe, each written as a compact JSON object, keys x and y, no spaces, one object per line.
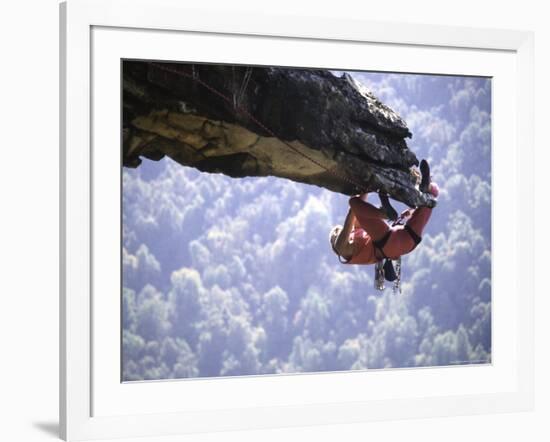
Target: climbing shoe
{"x":426,"y":178}
{"x":390,"y":212}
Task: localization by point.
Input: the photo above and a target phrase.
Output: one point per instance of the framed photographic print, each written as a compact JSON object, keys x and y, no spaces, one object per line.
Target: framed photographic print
{"x":282,"y":221}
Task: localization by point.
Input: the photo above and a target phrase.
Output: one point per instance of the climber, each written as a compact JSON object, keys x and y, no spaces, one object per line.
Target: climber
{"x":366,"y":238}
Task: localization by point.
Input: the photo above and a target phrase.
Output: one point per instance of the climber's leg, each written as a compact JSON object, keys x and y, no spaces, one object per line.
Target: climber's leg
{"x":370,"y":218}
{"x":421,"y":215}
{"x":419,"y":219}
{"x":399,"y":243}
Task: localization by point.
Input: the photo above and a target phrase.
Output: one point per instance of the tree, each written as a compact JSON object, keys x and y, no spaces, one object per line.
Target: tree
{"x":275,"y":321}
{"x":152,"y":314}
{"x":186,"y":304}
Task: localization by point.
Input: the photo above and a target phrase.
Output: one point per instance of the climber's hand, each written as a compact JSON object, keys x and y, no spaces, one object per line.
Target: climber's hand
{"x":433,"y":189}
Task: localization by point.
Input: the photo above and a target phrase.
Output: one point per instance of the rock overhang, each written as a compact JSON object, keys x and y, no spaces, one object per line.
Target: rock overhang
{"x":307,"y":125}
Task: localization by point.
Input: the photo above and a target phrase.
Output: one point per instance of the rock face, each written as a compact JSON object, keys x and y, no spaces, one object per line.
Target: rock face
{"x":305,"y":125}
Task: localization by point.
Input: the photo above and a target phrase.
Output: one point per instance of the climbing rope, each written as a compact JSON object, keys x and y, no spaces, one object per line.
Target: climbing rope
{"x":235,"y":102}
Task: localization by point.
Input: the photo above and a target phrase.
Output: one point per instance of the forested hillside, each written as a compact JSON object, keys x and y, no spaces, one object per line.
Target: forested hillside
{"x":227,"y":276}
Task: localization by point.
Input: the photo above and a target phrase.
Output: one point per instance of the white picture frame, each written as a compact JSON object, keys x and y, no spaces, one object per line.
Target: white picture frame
{"x":93,"y":402}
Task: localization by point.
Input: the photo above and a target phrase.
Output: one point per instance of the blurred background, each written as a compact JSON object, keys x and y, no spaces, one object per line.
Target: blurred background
{"x":225,"y":277}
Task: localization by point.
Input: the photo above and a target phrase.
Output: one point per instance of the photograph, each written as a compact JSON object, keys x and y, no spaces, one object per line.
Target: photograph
{"x":279,"y":220}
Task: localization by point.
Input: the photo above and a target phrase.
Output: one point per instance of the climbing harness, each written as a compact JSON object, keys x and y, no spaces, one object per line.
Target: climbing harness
{"x":417,"y":239}
{"x":384,"y":268}
{"x":236,"y":100}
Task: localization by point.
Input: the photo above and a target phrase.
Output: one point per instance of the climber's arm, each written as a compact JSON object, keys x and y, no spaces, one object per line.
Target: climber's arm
{"x":343,"y":246}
